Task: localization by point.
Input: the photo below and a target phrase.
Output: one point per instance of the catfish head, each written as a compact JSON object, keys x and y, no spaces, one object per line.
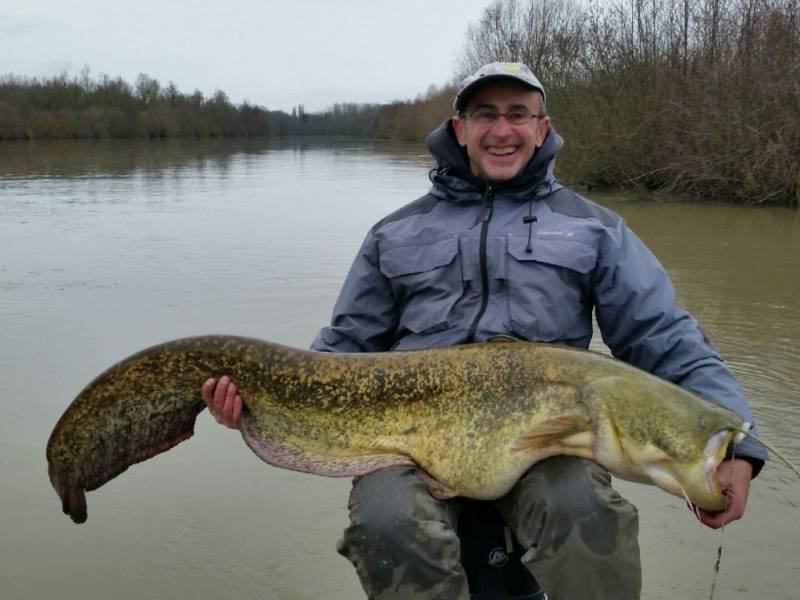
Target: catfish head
{"x":651,"y":431}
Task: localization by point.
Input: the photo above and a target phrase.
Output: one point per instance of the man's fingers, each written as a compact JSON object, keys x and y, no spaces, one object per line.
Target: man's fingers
{"x":227,"y":407}
{"x":734,"y":477}
{"x":219,"y":396}
{"x":736,"y":507}
{"x":223,"y":400}
{"x":208,"y":392}
{"x":713,"y":520}
{"x":734,"y":512}
{"x":237,"y":410}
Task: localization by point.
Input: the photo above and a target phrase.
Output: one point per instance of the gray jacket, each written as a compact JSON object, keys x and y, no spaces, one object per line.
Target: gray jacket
{"x":528,"y":258}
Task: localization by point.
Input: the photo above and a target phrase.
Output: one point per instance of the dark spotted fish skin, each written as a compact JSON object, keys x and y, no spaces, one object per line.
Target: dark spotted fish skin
{"x":148,"y":403}
{"x":474,"y":417}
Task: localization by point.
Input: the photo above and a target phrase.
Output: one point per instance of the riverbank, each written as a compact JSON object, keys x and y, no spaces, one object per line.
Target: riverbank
{"x":158,"y":156}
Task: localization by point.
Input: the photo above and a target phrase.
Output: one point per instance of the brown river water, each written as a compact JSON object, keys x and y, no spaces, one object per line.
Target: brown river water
{"x":106,"y":248}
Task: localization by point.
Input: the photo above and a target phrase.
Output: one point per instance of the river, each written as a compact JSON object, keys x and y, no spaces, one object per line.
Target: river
{"x":109,"y":247}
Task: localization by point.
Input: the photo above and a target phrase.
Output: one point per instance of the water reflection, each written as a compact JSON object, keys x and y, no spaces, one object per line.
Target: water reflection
{"x":109,"y":159}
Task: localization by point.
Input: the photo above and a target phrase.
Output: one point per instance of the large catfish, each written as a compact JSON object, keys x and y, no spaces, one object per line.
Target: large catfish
{"x":473,"y":417}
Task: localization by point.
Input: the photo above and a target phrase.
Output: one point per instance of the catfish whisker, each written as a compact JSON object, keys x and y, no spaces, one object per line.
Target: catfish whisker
{"x":770,"y":448}
{"x":690,"y":504}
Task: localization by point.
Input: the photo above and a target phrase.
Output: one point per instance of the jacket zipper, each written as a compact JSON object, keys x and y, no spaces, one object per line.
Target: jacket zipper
{"x":487,"y":216}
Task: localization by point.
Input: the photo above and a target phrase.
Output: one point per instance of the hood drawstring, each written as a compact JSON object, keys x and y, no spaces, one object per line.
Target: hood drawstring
{"x":436,"y":172}
{"x":529,"y":221}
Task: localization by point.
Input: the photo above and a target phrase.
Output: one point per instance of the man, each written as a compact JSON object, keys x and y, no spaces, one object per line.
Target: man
{"x":499,"y":247}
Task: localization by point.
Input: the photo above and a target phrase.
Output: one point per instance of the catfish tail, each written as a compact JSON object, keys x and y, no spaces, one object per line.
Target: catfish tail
{"x":140,"y":407}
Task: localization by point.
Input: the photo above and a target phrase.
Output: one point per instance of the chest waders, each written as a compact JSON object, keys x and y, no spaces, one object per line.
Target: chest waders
{"x":491,"y":555}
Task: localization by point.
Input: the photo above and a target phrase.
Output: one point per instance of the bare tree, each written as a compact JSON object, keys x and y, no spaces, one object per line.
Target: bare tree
{"x":696,"y":97}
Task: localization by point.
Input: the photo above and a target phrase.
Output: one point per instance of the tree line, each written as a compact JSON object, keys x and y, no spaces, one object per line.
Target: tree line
{"x":82,"y":107}
{"x":699,"y":98}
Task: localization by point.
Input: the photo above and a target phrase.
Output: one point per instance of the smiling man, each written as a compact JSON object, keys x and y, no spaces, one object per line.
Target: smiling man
{"x":501,"y":129}
{"x":499,"y":247}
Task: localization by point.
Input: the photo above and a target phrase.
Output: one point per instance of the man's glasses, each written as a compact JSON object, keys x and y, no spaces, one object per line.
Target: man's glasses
{"x":489,"y":116}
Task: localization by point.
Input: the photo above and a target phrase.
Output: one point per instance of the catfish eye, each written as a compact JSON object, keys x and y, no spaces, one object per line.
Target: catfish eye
{"x":703,"y":423}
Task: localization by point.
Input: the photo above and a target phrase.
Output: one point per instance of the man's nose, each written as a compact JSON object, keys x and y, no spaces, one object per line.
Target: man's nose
{"x":501,"y":126}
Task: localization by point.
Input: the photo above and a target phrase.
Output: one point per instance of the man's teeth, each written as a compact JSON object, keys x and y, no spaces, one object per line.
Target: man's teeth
{"x":502,"y":151}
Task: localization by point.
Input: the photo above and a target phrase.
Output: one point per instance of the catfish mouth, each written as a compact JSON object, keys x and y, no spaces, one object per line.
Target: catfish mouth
{"x":716,"y":449}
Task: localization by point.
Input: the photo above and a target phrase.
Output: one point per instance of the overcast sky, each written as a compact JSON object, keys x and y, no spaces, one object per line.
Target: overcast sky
{"x":275,"y":54}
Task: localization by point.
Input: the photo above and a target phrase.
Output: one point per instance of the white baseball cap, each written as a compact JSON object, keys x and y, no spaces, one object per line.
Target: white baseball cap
{"x":496,"y":70}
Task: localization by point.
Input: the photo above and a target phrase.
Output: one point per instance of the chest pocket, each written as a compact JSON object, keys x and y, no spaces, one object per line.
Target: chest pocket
{"x":426,"y":281}
{"x":548,"y":288}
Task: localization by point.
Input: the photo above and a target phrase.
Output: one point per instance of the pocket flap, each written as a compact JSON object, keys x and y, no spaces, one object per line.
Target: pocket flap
{"x":418,"y":259}
{"x":569,"y":254}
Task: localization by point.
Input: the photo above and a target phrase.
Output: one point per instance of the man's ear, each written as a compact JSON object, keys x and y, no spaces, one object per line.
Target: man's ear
{"x":458,"y":128}
{"x":543,"y":128}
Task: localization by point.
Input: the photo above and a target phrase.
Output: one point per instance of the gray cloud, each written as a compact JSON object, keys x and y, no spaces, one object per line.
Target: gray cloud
{"x":19,"y":25}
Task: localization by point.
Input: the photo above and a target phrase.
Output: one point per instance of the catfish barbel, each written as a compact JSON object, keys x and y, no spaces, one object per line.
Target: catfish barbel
{"x":473,"y":417}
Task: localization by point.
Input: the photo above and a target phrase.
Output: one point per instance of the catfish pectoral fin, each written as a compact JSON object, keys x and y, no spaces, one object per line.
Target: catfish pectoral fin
{"x":552,"y":431}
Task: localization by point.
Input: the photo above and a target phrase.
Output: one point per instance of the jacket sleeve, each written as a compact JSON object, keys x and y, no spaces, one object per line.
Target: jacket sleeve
{"x":365,"y":315}
{"x":641,"y":324}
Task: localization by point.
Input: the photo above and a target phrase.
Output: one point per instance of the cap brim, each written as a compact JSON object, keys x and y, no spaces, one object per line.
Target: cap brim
{"x":464,"y":95}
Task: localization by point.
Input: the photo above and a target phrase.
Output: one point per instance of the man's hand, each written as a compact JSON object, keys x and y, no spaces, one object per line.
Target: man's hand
{"x":734,"y":478}
{"x":223,"y":401}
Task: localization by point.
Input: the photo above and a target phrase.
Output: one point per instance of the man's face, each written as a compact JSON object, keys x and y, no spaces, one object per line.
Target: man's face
{"x":499,"y":151}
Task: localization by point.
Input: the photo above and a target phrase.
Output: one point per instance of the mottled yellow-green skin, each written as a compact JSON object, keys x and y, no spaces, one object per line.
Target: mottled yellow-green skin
{"x":471,"y":416}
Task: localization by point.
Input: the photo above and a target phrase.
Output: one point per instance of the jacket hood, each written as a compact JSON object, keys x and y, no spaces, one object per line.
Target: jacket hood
{"x":453,"y":171}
